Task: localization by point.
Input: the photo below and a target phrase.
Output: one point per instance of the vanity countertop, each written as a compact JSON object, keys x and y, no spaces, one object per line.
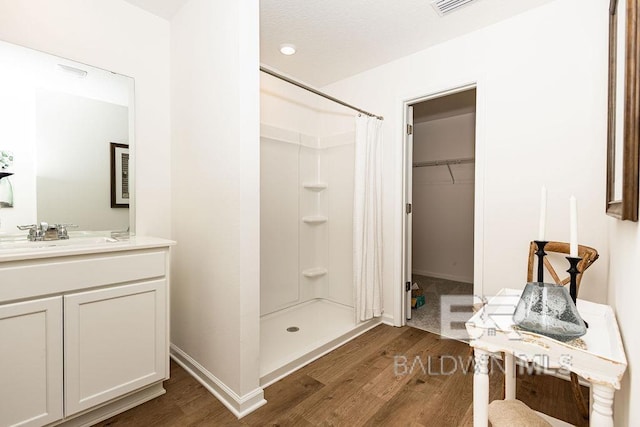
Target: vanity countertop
{"x":23,"y":250}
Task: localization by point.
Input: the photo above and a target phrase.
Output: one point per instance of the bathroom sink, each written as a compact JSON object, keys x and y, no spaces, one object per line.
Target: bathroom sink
{"x":23,"y":244}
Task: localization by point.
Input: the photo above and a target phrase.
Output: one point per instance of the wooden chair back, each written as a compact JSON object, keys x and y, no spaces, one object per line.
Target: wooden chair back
{"x":589,"y":256}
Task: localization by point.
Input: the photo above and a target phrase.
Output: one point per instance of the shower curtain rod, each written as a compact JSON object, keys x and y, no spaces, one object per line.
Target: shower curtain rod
{"x":317,"y":92}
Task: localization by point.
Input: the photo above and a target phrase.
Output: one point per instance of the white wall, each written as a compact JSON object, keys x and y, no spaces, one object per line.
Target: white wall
{"x":442,"y":210}
{"x":285,"y":106}
{"x":624,"y":294}
{"x":216,"y":196}
{"x":120,"y":37}
{"x":542,"y":97}
{"x":73,"y":136}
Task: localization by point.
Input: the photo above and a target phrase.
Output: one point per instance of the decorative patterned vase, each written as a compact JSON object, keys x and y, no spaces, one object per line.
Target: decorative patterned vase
{"x":548,"y":309}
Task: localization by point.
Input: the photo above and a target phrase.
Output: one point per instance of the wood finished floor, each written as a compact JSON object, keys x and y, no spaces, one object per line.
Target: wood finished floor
{"x":355,"y":385}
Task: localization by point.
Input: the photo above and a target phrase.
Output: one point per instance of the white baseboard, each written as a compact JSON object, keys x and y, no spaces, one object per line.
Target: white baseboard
{"x":240,"y":406}
{"x":388,"y":319}
{"x":453,"y":277}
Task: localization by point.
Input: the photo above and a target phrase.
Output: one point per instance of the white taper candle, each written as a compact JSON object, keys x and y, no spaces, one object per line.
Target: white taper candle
{"x":573,"y":227}
{"x":543,"y":213}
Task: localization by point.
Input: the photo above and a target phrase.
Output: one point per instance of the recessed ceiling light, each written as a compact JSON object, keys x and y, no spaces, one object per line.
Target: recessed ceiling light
{"x":287,"y":49}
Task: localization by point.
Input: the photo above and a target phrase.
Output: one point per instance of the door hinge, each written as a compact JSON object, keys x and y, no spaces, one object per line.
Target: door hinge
{"x":407,"y":286}
{"x":408,"y":208}
{"x":409,"y":129}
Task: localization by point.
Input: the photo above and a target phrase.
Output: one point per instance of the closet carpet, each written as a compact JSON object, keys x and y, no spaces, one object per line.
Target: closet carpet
{"x":362,"y":383}
{"x":428,"y":316}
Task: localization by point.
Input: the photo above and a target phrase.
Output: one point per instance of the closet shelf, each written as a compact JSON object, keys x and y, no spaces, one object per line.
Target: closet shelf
{"x":446,"y":162}
{"x":314,"y":272}
{"x":315,"y":186}
{"x":315,"y":219}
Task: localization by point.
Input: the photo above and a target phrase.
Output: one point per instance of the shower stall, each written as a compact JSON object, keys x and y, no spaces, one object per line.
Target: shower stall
{"x":306,"y":239}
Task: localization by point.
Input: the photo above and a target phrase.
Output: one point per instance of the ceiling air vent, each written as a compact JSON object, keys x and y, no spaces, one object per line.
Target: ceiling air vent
{"x":445,"y":7}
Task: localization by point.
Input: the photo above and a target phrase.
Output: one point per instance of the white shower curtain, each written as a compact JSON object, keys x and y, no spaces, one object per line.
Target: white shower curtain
{"x":367,"y":219}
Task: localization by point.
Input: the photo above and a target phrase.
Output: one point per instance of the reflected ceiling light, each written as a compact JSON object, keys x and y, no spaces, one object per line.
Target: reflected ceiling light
{"x":287,"y":49}
{"x":73,"y":70}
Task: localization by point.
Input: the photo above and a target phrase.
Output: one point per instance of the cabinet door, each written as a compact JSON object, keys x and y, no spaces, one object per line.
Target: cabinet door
{"x":31,"y":362}
{"x":115,"y":342}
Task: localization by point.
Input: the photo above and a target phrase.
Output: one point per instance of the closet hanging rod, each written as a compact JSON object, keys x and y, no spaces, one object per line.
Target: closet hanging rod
{"x":317,"y":92}
{"x":443,"y":162}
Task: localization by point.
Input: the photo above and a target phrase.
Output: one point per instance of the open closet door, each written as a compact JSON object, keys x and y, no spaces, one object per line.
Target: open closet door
{"x":408,"y":197}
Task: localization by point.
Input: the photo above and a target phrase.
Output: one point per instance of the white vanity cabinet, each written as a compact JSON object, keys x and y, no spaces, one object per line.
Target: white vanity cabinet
{"x":31,"y":362}
{"x":83,"y":331}
{"x":114,"y":342}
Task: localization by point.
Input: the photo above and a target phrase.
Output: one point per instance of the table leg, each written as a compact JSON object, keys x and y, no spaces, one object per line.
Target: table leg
{"x":602,"y":414}
{"x":509,"y":376}
{"x":481,"y":388}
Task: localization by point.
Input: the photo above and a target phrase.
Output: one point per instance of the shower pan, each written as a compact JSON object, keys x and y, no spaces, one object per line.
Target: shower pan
{"x":306,"y":250}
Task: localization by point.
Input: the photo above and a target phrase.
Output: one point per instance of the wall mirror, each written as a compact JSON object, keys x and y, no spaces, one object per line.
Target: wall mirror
{"x":624,"y":98}
{"x":59,"y":119}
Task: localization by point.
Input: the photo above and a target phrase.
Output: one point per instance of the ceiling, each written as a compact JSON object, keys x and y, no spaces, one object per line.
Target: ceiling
{"x":163,"y":8}
{"x":336,"y":39}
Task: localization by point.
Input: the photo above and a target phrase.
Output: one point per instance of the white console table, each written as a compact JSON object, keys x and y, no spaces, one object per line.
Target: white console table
{"x":602,"y":363}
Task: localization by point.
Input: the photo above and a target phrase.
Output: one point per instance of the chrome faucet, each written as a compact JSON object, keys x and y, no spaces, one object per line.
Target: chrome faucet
{"x":44,"y":231}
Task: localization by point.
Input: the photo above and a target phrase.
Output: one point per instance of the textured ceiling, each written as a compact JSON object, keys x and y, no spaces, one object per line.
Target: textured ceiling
{"x":339,"y":38}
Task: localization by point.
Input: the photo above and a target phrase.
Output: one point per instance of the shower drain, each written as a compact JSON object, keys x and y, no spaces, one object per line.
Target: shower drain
{"x":293,"y":329}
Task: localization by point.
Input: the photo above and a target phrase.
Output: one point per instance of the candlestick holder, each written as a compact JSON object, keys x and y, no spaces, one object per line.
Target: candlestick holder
{"x":573,"y":283}
{"x":541,"y":254}
{"x":573,"y":274}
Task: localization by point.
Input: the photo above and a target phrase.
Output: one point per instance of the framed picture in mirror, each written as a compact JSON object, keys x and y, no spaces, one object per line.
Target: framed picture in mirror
{"x":624,"y":110}
{"x":119,"y":175}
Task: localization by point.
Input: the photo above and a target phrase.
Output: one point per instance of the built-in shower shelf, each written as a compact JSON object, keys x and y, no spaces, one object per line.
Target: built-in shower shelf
{"x":314,"y":272}
{"x":315,"y":186}
{"x":314,"y":219}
